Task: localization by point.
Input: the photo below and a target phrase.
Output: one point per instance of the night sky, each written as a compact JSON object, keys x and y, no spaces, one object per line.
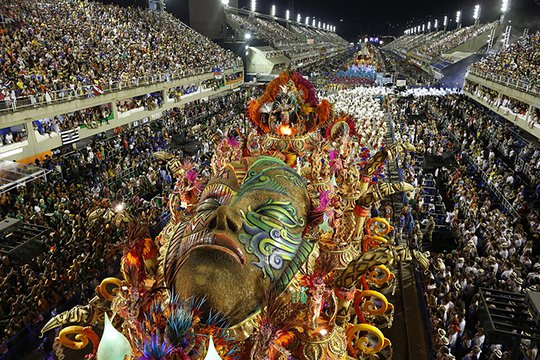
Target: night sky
{"x":377,"y":17}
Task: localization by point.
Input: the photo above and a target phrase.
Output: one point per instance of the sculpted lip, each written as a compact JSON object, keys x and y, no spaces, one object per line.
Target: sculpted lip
{"x":227,"y":242}
{"x":219,"y":241}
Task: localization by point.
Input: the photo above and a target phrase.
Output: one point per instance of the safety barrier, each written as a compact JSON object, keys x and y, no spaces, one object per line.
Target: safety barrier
{"x":88,"y":91}
{"x":524,"y":84}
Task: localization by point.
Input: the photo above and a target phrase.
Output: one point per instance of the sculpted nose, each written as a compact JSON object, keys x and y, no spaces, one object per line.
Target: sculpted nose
{"x":226,"y":219}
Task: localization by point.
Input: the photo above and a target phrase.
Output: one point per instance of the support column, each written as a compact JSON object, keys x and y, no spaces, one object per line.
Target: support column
{"x":114,"y":109}
{"x":32,"y":139}
{"x":529,"y":114}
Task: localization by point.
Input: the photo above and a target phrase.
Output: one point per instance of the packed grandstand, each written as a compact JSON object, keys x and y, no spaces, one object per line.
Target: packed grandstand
{"x":117,"y":140}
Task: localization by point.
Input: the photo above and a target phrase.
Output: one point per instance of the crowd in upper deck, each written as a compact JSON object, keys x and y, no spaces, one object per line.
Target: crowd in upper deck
{"x":66,"y":48}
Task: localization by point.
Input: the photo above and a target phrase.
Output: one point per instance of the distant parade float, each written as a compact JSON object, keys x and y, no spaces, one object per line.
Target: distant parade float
{"x":273,"y":256}
{"x":363,"y":71}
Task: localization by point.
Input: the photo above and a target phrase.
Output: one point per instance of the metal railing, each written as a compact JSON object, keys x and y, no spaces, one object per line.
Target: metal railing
{"x":90,"y":91}
{"x":525,"y":85}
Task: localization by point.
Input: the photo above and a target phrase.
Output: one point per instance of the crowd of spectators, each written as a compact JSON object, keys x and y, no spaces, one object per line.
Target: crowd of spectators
{"x":404,"y":70}
{"x":433,"y":44}
{"x":519,"y":62}
{"x":293,"y":41}
{"x":494,"y":247}
{"x":13,"y":135}
{"x":146,"y":102}
{"x":106,"y":172}
{"x":319,"y":36}
{"x":498,"y":100}
{"x":91,"y":118}
{"x":454,"y":38}
{"x":42,"y":58}
{"x":489,"y":139}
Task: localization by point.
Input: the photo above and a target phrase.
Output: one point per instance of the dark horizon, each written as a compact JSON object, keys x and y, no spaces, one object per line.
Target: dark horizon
{"x":354,"y":19}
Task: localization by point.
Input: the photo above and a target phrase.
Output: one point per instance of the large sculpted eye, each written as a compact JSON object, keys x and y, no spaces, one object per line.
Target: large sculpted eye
{"x":271,"y":234}
{"x":213,"y":197}
{"x":208,"y":204}
{"x":284,"y":212}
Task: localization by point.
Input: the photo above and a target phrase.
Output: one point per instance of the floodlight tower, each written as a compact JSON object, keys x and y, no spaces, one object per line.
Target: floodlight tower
{"x":298,"y":18}
{"x":505,"y":6}
{"x":287,"y":15}
{"x":253,"y":5}
{"x":476,"y":14}
{"x":429,"y":26}
{"x":458,"y":19}
{"x":307,"y":20}
{"x":273,"y":11}
{"x":445,"y":22}
{"x":436,"y":26}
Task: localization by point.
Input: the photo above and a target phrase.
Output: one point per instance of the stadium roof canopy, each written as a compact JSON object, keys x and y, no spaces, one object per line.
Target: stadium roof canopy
{"x":14,"y":174}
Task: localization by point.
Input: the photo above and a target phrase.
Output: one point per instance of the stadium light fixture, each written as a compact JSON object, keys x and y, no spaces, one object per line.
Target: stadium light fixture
{"x":476,"y":14}
{"x":314,"y":22}
{"x":287,"y":15}
{"x":436,"y":24}
{"x":319,"y":24}
{"x":225,"y":3}
{"x":307,"y":20}
{"x":458,"y":18}
{"x":273,"y":12}
{"x":253,"y":5}
{"x":505,"y":5}
{"x":324,"y":26}
{"x":445,"y":22}
{"x":429,"y":25}
{"x":423,"y":27}
{"x":298,"y":18}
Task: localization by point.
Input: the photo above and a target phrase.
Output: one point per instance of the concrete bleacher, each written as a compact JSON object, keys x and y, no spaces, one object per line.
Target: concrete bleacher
{"x":273,"y":44}
{"x":434,"y":51}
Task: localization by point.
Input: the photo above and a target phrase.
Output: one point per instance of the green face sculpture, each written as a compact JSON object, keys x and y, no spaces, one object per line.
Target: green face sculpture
{"x":244,"y":239}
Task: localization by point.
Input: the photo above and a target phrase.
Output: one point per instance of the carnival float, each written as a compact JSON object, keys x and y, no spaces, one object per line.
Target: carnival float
{"x":274,"y":256}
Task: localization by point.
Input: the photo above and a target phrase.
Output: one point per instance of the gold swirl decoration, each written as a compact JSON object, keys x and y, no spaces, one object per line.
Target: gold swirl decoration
{"x":372,"y":242}
{"x":102,"y":288}
{"x":380,"y":275}
{"x":81,"y":337}
{"x":294,"y":144}
{"x":378,"y":226}
{"x":364,"y":344}
{"x":366,"y":298}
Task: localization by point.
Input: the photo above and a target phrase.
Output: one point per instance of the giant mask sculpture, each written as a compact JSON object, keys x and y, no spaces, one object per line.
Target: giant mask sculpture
{"x":231,"y":248}
{"x":244,"y":240}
